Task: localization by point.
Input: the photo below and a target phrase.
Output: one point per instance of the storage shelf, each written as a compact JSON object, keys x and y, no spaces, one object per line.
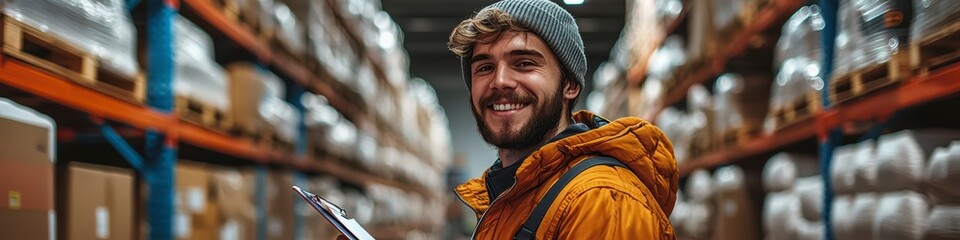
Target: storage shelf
{"x":636,"y":74}
{"x":916,"y":91}
{"x":737,"y":45}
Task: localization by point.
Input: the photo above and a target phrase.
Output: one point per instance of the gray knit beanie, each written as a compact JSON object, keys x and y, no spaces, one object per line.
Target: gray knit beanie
{"x":554,"y":25}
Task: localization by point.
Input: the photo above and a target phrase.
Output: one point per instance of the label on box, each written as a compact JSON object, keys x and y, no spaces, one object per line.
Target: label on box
{"x":13,"y":199}
{"x":230,"y":231}
{"x":196,"y":199}
{"x":102,"y":216}
{"x":182,"y":224}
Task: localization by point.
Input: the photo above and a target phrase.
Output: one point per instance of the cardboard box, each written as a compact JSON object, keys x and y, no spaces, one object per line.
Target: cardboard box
{"x":99,"y":202}
{"x":26,"y":173}
{"x":196,"y":213}
{"x":280,"y":214}
{"x":233,"y":194}
{"x":246,"y":89}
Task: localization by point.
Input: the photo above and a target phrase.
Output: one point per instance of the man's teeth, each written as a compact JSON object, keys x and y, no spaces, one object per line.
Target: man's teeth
{"x":507,"y":107}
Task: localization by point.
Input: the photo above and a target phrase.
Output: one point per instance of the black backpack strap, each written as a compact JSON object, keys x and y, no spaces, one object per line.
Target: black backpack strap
{"x":529,"y":228}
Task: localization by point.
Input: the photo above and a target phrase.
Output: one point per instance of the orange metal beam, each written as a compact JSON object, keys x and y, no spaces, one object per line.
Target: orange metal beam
{"x":753,"y":147}
{"x":41,"y":83}
{"x":196,"y":135}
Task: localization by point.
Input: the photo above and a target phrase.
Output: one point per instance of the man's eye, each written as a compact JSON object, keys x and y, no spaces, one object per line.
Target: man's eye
{"x":484,"y":68}
{"x":525,"y":64}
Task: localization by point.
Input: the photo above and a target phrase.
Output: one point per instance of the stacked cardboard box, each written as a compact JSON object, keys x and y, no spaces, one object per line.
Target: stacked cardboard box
{"x":99,"y":203}
{"x":26,"y":173}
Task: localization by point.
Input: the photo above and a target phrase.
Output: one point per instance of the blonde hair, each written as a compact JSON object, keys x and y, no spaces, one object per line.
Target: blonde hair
{"x":485,"y":27}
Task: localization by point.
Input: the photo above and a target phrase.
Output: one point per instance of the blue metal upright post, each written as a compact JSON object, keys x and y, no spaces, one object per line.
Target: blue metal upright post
{"x":160,"y":149}
{"x":834,"y":137}
{"x":294,"y":94}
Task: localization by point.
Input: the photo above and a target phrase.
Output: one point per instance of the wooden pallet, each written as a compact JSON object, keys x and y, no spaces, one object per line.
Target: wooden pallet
{"x":869,"y":79}
{"x":229,"y":8}
{"x":735,"y":136}
{"x":202,"y":114}
{"x":936,"y":50}
{"x":60,"y":57}
{"x":249,"y":18}
{"x":797,"y":110}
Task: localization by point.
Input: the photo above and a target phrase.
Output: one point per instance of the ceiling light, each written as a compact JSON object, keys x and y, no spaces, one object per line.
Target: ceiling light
{"x":573,"y":2}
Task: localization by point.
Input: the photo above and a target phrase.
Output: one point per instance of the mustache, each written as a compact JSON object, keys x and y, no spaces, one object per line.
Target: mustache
{"x":510,"y":96}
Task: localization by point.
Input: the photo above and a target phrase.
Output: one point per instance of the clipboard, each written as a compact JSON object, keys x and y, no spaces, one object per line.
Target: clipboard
{"x":335,"y":215}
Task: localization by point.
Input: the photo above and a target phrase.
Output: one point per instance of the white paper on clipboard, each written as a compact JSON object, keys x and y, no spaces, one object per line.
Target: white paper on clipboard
{"x":336,"y":216}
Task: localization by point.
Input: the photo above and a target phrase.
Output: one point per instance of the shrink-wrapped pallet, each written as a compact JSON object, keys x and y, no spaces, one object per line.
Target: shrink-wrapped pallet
{"x":797,"y":59}
{"x":864,"y":211}
{"x":198,"y":76}
{"x":931,"y":16}
{"x":943,"y":223}
{"x":674,"y":124}
{"x":870,"y":32}
{"x":901,"y":215}
{"x":735,"y":215}
{"x":667,"y":58}
{"x":740,"y":102}
{"x":865,"y":161}
{"x":781,"y":215}
{"x":699,"y":219}
{"x":783,"y":169}
{"x":101,"y":28}
{"x":943,"y":174}
{"x":843,"y":169}
{"x":842,"y":216}
{"x":668,"y":10}
{"x":810,"y":191}
{"x":700,"y":186}
{"x":700,"y":105}
{"x":807,"y":230}
{"x":902,"y":156}
{"x":290,"y":31}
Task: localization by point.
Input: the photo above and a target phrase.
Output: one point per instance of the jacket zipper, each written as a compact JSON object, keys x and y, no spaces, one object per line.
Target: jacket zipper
{"x":474,"y":235}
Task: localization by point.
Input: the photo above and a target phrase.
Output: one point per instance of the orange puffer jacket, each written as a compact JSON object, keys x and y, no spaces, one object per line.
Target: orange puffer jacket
{"x":603,"y":202}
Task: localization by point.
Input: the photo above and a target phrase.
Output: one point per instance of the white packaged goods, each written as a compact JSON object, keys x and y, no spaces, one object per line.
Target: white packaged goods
{"x":700,"y":105}
{"x":902,"y":156}
{"x":727,"y":112}
{"x":99,"y":27}
{"x":674,"y":124}
{"x":735,"y":216}
{"x":864,"y":38}
{"x":782,"y":170}
{"x":198,"y":76}
{"x":810,"y":191}
{"x":651,"y":98}
{"x":943,"y":174}
{"x":699,"y":219}
{"x":931,"y":16}
{"x":807,"y":230}
{"x":843,"y":169}
{"x":668,"y":10}
{"x":797,"y":59}
{"x":290,"y":32}
{"x":725,"y":12}
{"x":865,"y":162}
{"x":781,"y":215}
{"x":842,"y":217}
{"x":864,"y":212}
{"x":700,"y":186}
{"x":667,"y":58}
{"x":943,"y":223}
{"x":901,"y":215}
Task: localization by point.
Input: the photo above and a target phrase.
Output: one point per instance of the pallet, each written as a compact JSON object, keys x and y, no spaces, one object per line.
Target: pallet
{"x":798,"y":110}
{"x":229,"y":8}
{"x":60,"y":57}
{"x":863,"y":81}
{"x":264,"y":137}
{"x":249,"y":18}
{"x":202,"y":114}
{"x":937,"y":50}
{"x":735,"y":136}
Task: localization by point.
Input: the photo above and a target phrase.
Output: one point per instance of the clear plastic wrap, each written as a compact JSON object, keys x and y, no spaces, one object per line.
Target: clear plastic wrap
{"x":700,"y":105}
{"x":727,"y":111}
{"x":797,"y":58}
{"x":810,"y":191}
{"x":99,"y":27}
{"x":700,"y":186}
{"x":668,"y":10}
{"x":865,"y":37}
{"x":699,"y":219}
{"x":674,"y":124}
{"x":807,"y":230}
{"x":781,"y":215}
{"x":329,"y":43}
{"x":865,"y":161}
{"x":290,"y":31}
{"x":943,"y":223}
{"x":651,"y":97}
{"x":735,"y":212}
{"x":943,"y":174}
{"x":198,"y":76}
{"x":842,"y":217}
{"x":902,"y":156}
{"x":932,"y":15}
{"x":783,"y":169}
{"x":843,"y":169}
{"x":864,"y":210}
{"x":667,"y":58}
{"x":901,"y":216}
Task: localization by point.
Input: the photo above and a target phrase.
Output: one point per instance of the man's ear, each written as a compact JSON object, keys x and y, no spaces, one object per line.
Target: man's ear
{"x":571,"y":90}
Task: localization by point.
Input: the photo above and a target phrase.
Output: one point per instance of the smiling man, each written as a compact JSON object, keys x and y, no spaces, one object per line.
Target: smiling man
{"x":559,"y":175}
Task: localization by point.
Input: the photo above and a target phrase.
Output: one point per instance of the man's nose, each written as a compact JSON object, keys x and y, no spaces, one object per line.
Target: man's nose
{"x":504,"y":78}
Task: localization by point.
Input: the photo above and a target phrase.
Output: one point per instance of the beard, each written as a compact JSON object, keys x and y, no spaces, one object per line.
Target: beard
{"x":532,"y":133}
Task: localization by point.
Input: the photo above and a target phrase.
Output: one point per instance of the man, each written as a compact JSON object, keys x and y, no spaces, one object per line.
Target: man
{"x":523,"y":62}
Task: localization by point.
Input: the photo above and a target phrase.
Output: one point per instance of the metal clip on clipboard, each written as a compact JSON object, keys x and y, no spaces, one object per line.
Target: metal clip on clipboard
{"x":335,"y":215}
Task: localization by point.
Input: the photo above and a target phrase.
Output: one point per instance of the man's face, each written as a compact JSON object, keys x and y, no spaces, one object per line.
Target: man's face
{"x":516,"y":92}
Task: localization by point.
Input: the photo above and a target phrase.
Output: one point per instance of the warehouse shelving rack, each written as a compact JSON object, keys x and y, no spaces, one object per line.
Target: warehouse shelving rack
{"x":827,"y":126}
{"x":162,"y":131}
